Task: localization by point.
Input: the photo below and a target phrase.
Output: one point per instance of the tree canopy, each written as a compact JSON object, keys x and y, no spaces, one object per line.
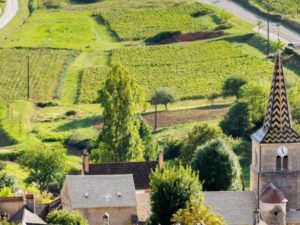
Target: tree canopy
{"x":163,"y":96}
{"x":120,"y":98}
{"x":200,"y":135}
{"x":46,"y":164}
{"x":232,"y":86}
{"x":218,"y":167}
{"x":172,"y":188}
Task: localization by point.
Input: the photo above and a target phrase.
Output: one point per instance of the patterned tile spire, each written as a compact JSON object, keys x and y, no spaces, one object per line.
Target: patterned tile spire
{"x":277,"y":126}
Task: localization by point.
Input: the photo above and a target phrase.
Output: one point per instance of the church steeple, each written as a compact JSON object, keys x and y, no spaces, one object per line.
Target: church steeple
{"x":277,"y":126}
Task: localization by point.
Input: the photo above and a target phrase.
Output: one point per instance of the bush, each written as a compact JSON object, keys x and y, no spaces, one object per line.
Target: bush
{"x":172,"y":188}
{"x":63,"y":217}
{"x":45,"y":104}
{"x":232,"y":86}
{"x":238,"y":123}
{"x":200,"y":135}
{"x":218,"y":166}
{"x":71,"y":113}
{"x":7,"y":180}
{"x":11,"y":156}
{"x":171,"y":147}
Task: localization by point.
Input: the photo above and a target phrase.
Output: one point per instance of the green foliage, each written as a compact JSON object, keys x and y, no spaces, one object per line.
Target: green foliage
{"x":46,"y":164}
{"x":2,"y":166}
{"x":7,"y":181}
{"x":120,"y":98}
{"x":136,"y":24}
{"x":163,"y":96}
{"x":225,"y":16}
{"x":232,"y":86}
{"x":218,"y":166}
{"x":56,"y":29}
{"x":200,"y":135}
{"x":63,"y":217}
{"x":181,"y":68}
{"x":151,"y":147}
{"x":197,"y":212}
{"x":6,"y":192}
{"x":171,"y":147}
{"x":13,"y":78}
{"x":281,"y":6}
{"x":238,"y":122}
{"x":172,"y":188}
{"x":256,"y":96}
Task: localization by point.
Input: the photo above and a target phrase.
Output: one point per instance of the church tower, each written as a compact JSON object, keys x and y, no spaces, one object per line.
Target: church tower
{"x":275,"y":168}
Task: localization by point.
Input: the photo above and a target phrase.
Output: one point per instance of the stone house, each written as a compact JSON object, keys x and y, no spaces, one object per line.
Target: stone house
{"x":101,"y":196}
{"x":20,"y":210}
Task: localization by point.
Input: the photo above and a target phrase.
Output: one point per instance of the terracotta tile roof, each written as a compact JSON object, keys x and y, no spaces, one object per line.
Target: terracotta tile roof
{"x":11,"y":199}
{"x":140,"y":170}
{"x":272,"y":195}
{"x":277,"y":126}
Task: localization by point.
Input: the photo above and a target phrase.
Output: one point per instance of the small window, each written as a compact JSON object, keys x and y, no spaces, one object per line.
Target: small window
{"x":278,"y":163}
{"x":285,"y":162}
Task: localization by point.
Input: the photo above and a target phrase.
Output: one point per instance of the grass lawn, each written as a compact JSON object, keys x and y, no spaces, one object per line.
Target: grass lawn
{"x":2,"y":6}
{"x":57,"y":29}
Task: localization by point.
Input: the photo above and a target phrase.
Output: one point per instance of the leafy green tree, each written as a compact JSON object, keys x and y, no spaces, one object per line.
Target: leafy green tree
{"x":256,"y":96}
{"x":46,"y":164}
{"x":200,"y":135}
{"x":163,"y":96}
{"x":238,"y":122}
{"x":218,"y":166}
{"x":225,"y":17}
{"x":120,"y":98}
{"x":6,"y":192}
{"x":63,"y":217}
{"x":171,"y":147}
{"x":6,"y":180}
{"x":151,"y":146}
{"x":197,"y":212}
{"x":232,"y":86}
{"x":2,"y":166}
{"x":172,"y":188}
{"x":212,"y":97}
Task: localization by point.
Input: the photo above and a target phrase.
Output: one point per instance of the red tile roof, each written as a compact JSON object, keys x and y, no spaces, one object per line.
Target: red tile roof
{"x":140,"y":170}
{"x":272,"y":195}
{"x":11,"y":199}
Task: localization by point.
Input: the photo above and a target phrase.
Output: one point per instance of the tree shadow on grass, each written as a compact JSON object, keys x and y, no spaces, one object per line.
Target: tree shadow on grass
{"x":80,"y":123}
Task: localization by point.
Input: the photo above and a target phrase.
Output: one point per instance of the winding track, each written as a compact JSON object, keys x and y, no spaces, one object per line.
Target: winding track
{"x":11,"y":10}
{"x":286,"y":34}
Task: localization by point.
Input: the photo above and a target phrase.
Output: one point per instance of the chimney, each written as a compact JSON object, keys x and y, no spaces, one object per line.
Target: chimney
{"x":86,"y":165}
{"x":29,"y":201}
{"x":161,"y":159}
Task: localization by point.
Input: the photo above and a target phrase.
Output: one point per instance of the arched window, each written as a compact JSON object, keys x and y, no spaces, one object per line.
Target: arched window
{"x":285,"y":162}
{"x":278,"y":163}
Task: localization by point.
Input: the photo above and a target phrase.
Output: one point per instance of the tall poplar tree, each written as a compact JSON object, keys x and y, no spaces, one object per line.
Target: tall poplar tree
{"x":120,"y":98}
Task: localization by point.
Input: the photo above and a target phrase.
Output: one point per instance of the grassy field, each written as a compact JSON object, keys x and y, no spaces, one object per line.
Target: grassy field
{"x":192,"y":70}
{"x":289,"y":8}
{"x":57,"y":29}
{"x":136,"y":24}
{"x":47,"y":68}
{"x":2,"y":6}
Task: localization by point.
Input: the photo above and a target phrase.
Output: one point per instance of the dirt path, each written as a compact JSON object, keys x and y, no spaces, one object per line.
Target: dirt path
{"x":11,"y":9}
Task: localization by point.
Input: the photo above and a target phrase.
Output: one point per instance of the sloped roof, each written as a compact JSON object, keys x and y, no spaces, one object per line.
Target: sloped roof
{"x":25,"y":216}
{"x":277,"y":126}
{"x":235,"y":207}
{"x":140,"y":170}
{"x":271,"y":194}
{"x":100,"y":191}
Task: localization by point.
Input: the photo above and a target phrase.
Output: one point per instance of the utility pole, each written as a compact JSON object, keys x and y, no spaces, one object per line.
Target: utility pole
{"x":28,"y":78}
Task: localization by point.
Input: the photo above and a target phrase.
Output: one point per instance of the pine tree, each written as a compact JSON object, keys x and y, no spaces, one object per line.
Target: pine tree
{"x":120,"y":98}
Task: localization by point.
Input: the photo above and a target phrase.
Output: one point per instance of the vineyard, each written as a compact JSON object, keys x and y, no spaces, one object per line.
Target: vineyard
{"x":58,"y":29}
{"x":193,"y":70}
{"x":136,"y":24}
{"x":46,"y":67}
{"x":280,"y":6}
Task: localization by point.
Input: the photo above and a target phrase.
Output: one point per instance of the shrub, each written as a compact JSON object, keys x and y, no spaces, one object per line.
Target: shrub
{"x":71,"y":113}
{"x":232,"y":85}
{"x":163,"y":96}
{"x":172,"y":188}
{"x":237,"y":123}
{"x":63,"y":217}
{"x":218,"y":166}
{"x":171,"y":147}
{"x":200,"y":135}
{"x":11,"y":156}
